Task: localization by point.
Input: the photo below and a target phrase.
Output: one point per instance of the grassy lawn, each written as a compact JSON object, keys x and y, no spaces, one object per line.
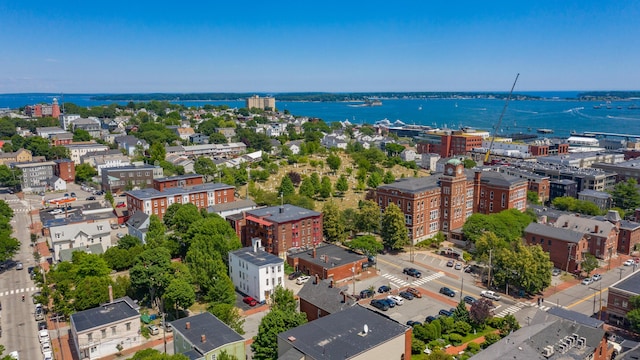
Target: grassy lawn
{"x":472,"y":336}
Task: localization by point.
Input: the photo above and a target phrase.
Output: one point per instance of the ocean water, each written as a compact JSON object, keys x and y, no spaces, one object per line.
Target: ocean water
{"x":560,"y":115}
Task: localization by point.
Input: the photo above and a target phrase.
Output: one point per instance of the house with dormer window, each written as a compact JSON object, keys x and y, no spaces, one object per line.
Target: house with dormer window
{"x":80,"y":236}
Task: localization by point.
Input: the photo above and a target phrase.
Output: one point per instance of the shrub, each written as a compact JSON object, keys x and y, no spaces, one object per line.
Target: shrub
{"x":462,"y":327}
{"x":473,"y":347}
{"x":455,"y":339}
{"x":490,"y":339}
{"x":417,"y":346}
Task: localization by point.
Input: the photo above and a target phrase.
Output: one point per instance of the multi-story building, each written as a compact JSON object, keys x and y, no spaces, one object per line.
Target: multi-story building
{"x":62,"y":139}
{"x":79,"y":236}
{"x":35,"y":176}
{"x":48,"y":132}
{"x":328,"y":262}
{"x":177,"y":181}
{"x":155,"y":202}
{"x":97,"y":332}
{"x":138,"y":176}
{"x":443,"y":203}
{"x":262,"y":103}
{"x":67,"y":119}
{"x":91,"y":125}
{"x":76,"y":151}
{"x":204,"y":336}
{"x":256,"y":272}
{"x":564,"y":187}
{"x":20,"y":156}
{"x":618,"y":304}
{"x":623,"y":170}
{"x":629,"y":237}
{"x":537,"y":183}
{"x":40,"y":110}
{"x":106,"y":160}
{"x":583,"y":159}
{"x":602,"y":199}
{"x":283,"y":228}
{"x":450,"y":143}
{"x":588,"y":178}
{"x":65,"y":169}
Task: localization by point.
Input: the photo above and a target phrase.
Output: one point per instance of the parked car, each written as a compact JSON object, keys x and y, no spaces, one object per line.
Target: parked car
{"x":469,"y":300}
{"x":407,"y":295}
{"x":295,"y":275}
{"x":121,"y":204}
{"x":153,"y":330}
{"x":587,"y":281}
{"x":45,"y":347}
{"x":89,"y":198}
{"x":412,"y":272}
{"x":389,"y":302}
{"x":66,"y":195}
{"x":444,"y":312}
{"x":596,"y":277}
{"x":429,"y":319}
{"x":413,"y":323}
{"x":415,"y":292}
{"x":47,"y":355}
{"x":371,"y":259}
{"x":380,"y":304}
{"x":19,"y":266}
{"x":384,"y":289}
{"x":366,"y":294}
{"x":73,"y":194}
{"x":555,"y":272}
{"x":43,"y":336}
{"x":446,"y":291}
{"x":120,"y":235}
{"x":249,"y":301}
{"x":302,"y":279}
{"x":396,"y":299}
{"x":458,"y":266}
{"x":490,"y":295}
{"x":629,"y":262}
{"x":468,"y":269}
{"x":450,"y":263}
{"x":56,"y":211}
{"x":167,"y":327}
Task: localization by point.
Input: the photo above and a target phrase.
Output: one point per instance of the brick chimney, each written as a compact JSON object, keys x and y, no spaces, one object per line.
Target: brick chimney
{"x":313,"y":254}
{"x":595,"y":230}
{"x":203,"y":338}
{"x":110,"y":294}
{"x":566,"y":224}
{"x":316,"y":280}
{"x":187,"y":325}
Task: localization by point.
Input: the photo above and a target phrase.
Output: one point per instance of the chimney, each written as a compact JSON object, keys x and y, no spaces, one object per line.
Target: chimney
{"x":281,"y":209}
{"x":313,"y":254}
{"x":595,"y":230}
{"x":566,"y":224}
{"x":110,"y":294}
{"x":344,"y":298}
{"x":187,"y":325}
{"x":203,"y":338}
{"x":316,"y":280}
{"x":257,"y":244}
{"x":331,"y":284}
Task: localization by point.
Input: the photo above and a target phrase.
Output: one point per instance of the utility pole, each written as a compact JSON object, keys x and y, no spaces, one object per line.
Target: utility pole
{"x":621,"y":270}
{"x":489,"y":277}
{"x":600,"y":308}
{"x":461,"y":287}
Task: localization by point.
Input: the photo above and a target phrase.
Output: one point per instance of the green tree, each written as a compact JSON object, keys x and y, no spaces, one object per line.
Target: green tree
{"x":157,"y":232}
{"x":342,"y":185}
{"x":9,"y":177}
{"x":153,"y":354}
{"x":526,"y":267}
{"x":286,"y":187}
{"x":205,"y":167}
{"x":374,"y":180}
{"x":634,"y":315}
{"x":532,"y":197}
{"x":109,"y":198}
{"x":151,"y":274}
{"x":461,"y":313}
{"x":332,"y":222}
{"x":325,"y":187}
{"x":334,"y":162}
{"x":81,"y":135}
{"x":589,"y":263}
{"x":388,"y":177}
{"x":368,"y":219}
{"x":626,"y":195}
{"x":315,"y":180}
{"x":228,"y":314}
{"x":157,"y":152}
{"x":488,"y":241}
{"x":85,"y":172}
{"x":90,"y":292}
{"x":393,"y":230}
{"x":366,"y":244}
{"x":507,"y":224}
{"x":469,"y":163}
{"x":307,"y":188}
{"x":283,"y":300}
{"x":179,"y":295}
{"x":265,"y":344}
{"x":184,"y":217}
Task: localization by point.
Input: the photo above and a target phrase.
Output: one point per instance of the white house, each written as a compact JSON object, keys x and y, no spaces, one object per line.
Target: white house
{"x":409,"y":155}
{"x":256,"y":272}
{"x":78,"y":150}
{"x":97,"y":332}
{"x":138,"y":225}
{"x":80,"y":235}
{"x":57,"y":184}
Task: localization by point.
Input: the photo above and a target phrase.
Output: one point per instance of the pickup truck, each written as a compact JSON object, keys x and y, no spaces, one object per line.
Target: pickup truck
{"x":490,"y":295}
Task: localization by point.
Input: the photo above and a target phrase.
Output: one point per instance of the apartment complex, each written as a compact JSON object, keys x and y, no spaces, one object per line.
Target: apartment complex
{"x":443,"y":203}
{"x":40,"y":110}
{"x":155,"y":202}
{"x":262,"y":103}
{"x":20,"y":156}
{"x":35,"y":176}
{"x":138,"y":176}
{"x":256,"y":272}
{"x":585,"y":178}
{"x":65,"y":169}
{"x":449,"y":143}
{"x":76,"y":151}
{"x":283,"y":228}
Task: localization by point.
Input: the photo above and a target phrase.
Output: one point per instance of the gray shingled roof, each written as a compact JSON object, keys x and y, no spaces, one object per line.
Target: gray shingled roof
{"x":584,"y":225}
{"x":325,"y":297}
{"x":258,"y":258}
{"x":216,"y":332}
{"x":102,"y":316}
{"x":547,"y":231}
{"x":496,"y":178}
{"x":595,"y":194}
{"x":338,"y":336}
{"x":631,"y":283}
{"x":238,"y":204}
{"x":576,"y":317}
{"x":414,"y":185}
{"x":335,"y":255}
{"x":288,"y":213}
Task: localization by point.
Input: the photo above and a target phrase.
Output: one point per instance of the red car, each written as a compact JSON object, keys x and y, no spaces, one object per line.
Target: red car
{"x":121,"y":204}
{"x":249,"y":300}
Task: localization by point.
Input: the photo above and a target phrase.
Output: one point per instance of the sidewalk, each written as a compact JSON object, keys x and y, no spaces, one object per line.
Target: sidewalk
{"x":455,"y":350}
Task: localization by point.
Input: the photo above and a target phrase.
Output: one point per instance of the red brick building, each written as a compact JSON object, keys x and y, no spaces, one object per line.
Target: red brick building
{"x":449,"y":144}
{"x":618,"y":304}
{"x":328,"y":262}
{"x":320,"y":298}
{"x":40,"y":110}
{"x":165,"y":183}
{"x":629,"y":237}
{"x":283,"y":228}
{"x":539,"y":184}
{"x":443,"y":203}
{"x":65,"y":169}
{"x":155,"y":202}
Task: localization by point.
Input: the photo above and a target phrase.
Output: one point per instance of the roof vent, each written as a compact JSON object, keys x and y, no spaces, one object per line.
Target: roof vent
{"x":187,"y":325}
{"x":203,"y":338}
{"x":365,"y":330}
{"x":291,"y":338}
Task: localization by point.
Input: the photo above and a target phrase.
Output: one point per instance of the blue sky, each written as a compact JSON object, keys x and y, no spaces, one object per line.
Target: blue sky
{"x":334,"y":46}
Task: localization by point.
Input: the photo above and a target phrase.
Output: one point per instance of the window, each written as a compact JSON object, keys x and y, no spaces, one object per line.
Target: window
{"x":127,"y":326}
{"x":267,"y":282}
{"x":491,"y":195}
{"x":113,"y":330}
{"x":90,"y":336}
{"x":490,"y":207}
{"x":104,"y":333}
{"x":625,"y":303}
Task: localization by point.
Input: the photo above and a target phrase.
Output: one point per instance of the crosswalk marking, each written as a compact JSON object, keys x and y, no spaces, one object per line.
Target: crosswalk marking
{"x":18,"y":291}
{"x":22,"y":210}
{"x":426,"y":279}
{"x":510,"y":310}
{"x":395,"y":280}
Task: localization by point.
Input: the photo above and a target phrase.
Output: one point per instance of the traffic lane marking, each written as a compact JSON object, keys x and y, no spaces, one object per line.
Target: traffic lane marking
{"x":588,"y":297}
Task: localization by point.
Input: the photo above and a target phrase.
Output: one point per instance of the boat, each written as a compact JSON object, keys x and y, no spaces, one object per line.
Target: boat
{"x":545,"y":131}
{"x":420,"y":107}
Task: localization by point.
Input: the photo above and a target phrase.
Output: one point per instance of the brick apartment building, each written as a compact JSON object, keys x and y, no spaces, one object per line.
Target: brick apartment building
{"x":539,"y":184}
{"x":328,"y":262}
{"x":165,"y":183}
{"x":549,"y":150}
{"x":137,"y":176}
{"x":40,"y":110}
{"x":618,"y":304}
{"x":283,"y":228}
{"x":448,"y":144}
{"x":443,"y":203}
{"x":629,"y":237}
{"x":155,"y":202}
{"x":65,"y":169}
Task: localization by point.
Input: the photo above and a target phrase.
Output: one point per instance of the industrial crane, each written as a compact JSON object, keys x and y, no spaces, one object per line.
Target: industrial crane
{"x":497,"y":127}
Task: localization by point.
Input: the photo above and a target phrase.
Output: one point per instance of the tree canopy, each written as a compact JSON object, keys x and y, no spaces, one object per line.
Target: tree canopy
{"x":508,"y":225}
{"x":626,"y":195}
{"x":393,"y":230}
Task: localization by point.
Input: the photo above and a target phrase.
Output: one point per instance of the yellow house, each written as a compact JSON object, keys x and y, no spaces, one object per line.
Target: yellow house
{"x":22,"y":155}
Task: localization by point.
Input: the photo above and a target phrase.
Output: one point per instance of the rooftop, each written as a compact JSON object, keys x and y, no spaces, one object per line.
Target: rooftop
{"x":413,"y":185}
{"x":258,"y":257}
{"x":179,"y":177}
{"x":325,"y":297}
{"x":585,"y":225}
{"x":150,"y":193}
{"x":216,"y":332}
{"x":630,"y":284}
{"x":547,"y":231}
{"x":595,"y":194}
{"x":284,"y":213}
{"x":99,"y":317}
{"x":234,"y":205}
{"x":341,"y":336}
{"x":576,"y":317}
{"x":329,"y":256}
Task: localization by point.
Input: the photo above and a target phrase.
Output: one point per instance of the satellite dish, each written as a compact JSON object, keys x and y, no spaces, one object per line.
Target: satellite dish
{"x":366,"y":329}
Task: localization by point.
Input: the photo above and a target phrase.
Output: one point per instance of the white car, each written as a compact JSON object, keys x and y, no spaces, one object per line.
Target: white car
{"x":47,"y":355}
{"x":55,"y":211}
{"x":629,"y":262}
{"x":396,"y":299}
{"x":587,"y":281}
{"x":44,"y":336}
{"x":302,"y":279}
{"x":46,"y":347}
{"x":490,"y":295}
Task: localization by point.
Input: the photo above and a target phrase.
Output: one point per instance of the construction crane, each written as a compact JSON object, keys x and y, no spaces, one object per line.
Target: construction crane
{"x":497,"y":127}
